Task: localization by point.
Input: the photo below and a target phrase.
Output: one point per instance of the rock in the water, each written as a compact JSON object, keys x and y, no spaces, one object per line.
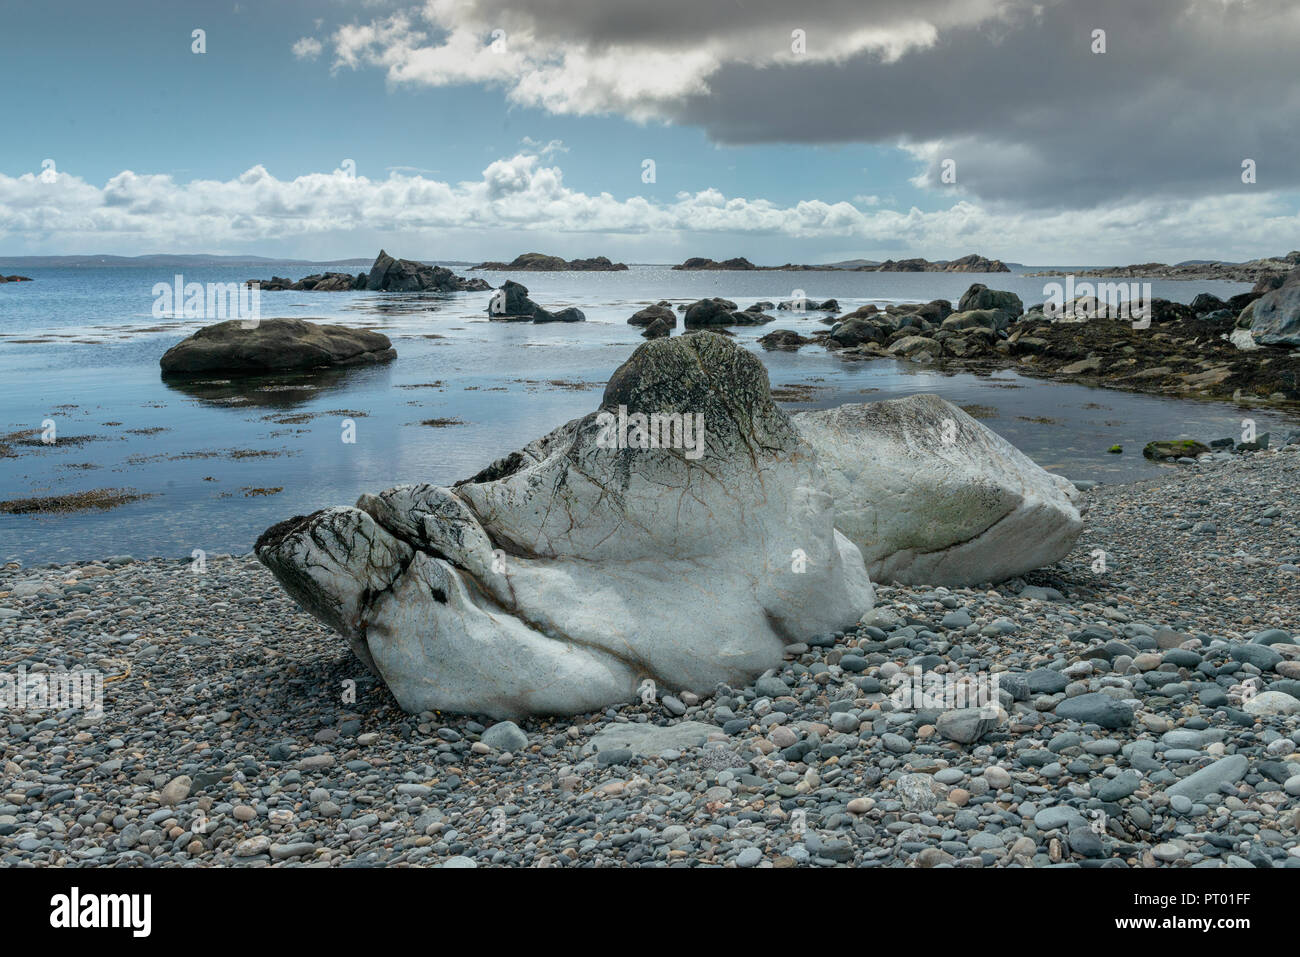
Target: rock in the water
{"x":720,"y":312}
{"x":274,"y":345}
{"x":933,"y":497}
{"x":561,"y":576}
{"x":649,"y":314}
{"x":659,"y":329}
{"x":1177,"y":449}
{"x":405,"y":275}
{"x":511,"y":303}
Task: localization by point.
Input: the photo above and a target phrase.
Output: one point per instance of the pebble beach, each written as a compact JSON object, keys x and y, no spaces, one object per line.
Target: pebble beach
{"x":1149,"y":683}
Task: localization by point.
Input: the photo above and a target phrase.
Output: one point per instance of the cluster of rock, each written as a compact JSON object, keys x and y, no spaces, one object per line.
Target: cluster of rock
{"x":510,"y":303}
{"x":971,"y":263}
{"x":716,"y":313}
{"x":540,"y":262}
{"x":1265,"y":269}
{"x":275,"y":345}
{"x":563,"y":576}
{"x":1241,"y":346}
{"x":14,"y":279}
{"x":386,"y":275}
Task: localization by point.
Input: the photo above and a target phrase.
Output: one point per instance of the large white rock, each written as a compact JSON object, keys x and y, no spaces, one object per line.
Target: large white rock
{"x":561,"y":577}
{"x":933,"y":497}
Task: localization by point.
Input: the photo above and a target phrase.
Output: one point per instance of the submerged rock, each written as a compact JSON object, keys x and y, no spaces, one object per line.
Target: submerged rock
{"x":933,"y":497}
{"x":268,"y":345}
{"x":561,"y":577}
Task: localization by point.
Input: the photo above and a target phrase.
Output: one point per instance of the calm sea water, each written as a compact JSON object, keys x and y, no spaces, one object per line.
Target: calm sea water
{"x":221,"y":460}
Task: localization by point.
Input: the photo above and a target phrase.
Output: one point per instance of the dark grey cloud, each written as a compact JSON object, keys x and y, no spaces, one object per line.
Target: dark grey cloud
{"x":1184,"y":92}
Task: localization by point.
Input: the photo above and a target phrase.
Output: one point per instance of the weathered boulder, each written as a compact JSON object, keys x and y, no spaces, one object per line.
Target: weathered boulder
{"x":980,"y":296}
{"x":933,"y":497}
{"x":561,"y":577}
{"x":1275,"y":316}
{"x":709,"y":312}
{"x":271,"y":345}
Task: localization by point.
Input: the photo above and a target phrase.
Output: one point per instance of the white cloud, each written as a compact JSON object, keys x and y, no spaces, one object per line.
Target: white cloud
{"x":149,"y":212}
{"x":308,"y":48}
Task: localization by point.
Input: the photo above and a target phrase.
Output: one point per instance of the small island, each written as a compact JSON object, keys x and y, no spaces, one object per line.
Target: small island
{"x":971,"y":263}
{"x":540,"y":262}
{"x":386,"y":275}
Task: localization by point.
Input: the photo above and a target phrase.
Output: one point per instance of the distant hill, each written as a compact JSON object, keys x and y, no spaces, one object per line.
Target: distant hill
{"x":175,"y":260}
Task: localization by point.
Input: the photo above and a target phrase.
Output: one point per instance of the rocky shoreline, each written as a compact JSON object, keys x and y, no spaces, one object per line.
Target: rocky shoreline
{"x":1242,"y":349}
{"x":228,"y":737}
{"x":1252,"y":271}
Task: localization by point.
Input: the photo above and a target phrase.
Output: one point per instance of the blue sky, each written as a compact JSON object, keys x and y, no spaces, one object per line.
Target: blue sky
{"x":107,"y":88}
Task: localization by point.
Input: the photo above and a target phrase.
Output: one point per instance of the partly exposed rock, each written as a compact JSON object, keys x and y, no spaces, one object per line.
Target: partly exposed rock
{"x":933,"y":497}
{"x":661,"y":310}
{"x":510,"y":303}
{"x":784,"y":339}
{"x":564,"y":575}
{"x":720,"y":312}
{"x":1175,"y":449}
{"x":271,"y":345}
{"x":658,"y":329}
{"x":405,"y":275}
